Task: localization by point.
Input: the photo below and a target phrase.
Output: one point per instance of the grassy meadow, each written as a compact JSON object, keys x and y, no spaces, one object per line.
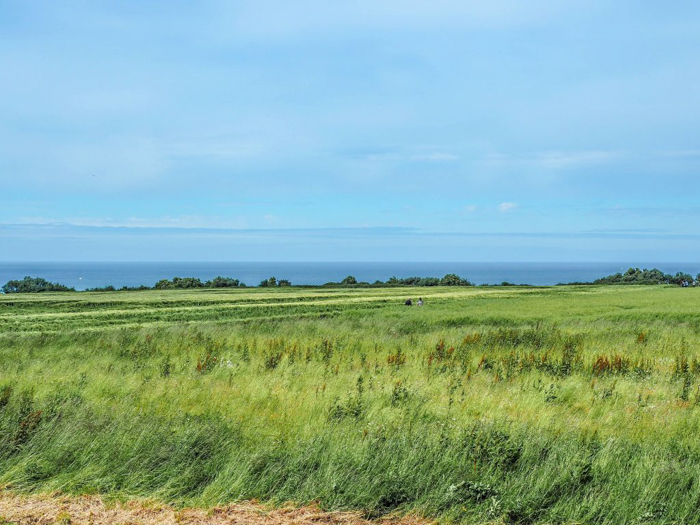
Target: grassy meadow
{"x":505,"y":405}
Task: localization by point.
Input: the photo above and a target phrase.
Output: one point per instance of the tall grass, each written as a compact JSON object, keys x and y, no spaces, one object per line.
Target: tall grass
{"x":518,"y":405}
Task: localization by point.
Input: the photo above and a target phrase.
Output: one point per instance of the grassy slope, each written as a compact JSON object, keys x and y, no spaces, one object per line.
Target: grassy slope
{"x":522,"y":405}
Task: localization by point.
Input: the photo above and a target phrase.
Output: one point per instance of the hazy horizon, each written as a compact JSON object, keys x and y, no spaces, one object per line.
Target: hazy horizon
{"x":82,"y":275}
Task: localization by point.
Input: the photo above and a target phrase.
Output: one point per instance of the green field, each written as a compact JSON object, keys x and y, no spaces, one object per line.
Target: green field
{"x":515,"y":405}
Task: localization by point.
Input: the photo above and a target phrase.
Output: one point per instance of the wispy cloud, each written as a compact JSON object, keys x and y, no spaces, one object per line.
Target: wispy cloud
{"x":165,"y":226}
{"x":182,"y":221}
{"x":99,"y":243}
{"x":555,"y":160}
{"x":649,"y":211}
{"x":505,"y":207}
{"x":628,"y":231}
{"x":396,"y":155}
{"x":62,"y":229}
{"x":313,"y":17}
{"x":437,"y":156}
{"x":566,"y":159}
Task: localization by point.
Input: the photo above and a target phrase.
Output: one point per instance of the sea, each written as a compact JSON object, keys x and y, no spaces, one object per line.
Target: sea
{"x":82,"y":275}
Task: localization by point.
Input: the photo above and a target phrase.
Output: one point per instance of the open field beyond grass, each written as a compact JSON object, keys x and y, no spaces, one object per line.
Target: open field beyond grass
{"x":515,"y":405}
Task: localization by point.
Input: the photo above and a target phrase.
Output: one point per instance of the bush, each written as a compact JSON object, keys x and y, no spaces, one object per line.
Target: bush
{"x":34,"y":285}
{"x":223,"y":282}
{"x":449,"y":280}
{"x":681,"y":278}
{"x":267,"y":283}
{"x":272,"y":282}
{"x":179,"y":283}
{"x":637,"y":276}
{"x":452,"y":279}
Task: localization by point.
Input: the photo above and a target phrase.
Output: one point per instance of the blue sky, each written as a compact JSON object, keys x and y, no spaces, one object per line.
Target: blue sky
{"x":360,"y":130}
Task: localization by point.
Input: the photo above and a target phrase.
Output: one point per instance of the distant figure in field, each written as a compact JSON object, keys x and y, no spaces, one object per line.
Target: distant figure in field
{"x":408,"y":302}
{"x":420,"y":301}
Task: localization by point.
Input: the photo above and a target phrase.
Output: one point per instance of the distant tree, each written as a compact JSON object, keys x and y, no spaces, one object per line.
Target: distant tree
{"x":449,"y":280}
{"x":680,"y":278}
{"x":108,"y":288}
{"x":452,"y":279}
{"x":637,"y":276}
{"x":223,"y":282}
{"x":266,"y":283}
{"x":284,"y":282}
{"x":187,"y":282}
{"x":163,"y":284}
{"x":350,"y":279}
{"x":34,"y":285}
{"x":179,"y":283}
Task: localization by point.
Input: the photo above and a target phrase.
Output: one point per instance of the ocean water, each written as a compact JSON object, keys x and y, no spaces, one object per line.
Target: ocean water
{"x":82,"y":275}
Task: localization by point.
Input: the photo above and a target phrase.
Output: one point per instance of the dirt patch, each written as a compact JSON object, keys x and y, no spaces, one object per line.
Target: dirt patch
{"x":59,"y":510}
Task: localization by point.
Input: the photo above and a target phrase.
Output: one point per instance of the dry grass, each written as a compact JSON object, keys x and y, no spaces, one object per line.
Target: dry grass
{"x":92,"y":510}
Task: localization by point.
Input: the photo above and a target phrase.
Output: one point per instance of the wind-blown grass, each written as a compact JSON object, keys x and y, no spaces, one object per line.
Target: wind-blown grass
{"x":571,"y":404}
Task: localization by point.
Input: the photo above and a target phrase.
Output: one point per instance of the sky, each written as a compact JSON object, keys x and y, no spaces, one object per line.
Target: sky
{"x":362,"y":130}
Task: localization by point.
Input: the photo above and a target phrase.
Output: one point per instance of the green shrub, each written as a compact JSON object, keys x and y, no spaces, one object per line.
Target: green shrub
{"x":34,"y":285}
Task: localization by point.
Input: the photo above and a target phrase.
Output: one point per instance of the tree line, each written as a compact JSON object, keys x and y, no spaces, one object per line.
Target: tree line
{"x":648,"y":277}
{"x":450,"y":279}
{"x":39,"y":284}
{"x":631,"y":276}
{"x":34,"y":285}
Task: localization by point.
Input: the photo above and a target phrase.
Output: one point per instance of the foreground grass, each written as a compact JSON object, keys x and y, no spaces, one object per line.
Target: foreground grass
{"x":572,"y":404}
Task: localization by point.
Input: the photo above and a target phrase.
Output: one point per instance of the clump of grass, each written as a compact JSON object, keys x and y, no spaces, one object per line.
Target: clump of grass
{"x":397,"y":358}
{"x":5,"y":394}
{"x":610,"y":365}
{"x":207,"y":363}
{"x":63,"y":518}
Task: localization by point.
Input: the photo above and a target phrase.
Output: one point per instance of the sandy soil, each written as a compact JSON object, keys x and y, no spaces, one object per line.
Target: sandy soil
{"x":45,"y":510}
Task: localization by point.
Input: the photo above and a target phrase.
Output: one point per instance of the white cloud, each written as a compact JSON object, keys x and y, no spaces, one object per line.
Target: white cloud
{"x":398,"y":156}
{"x":555,"y":160}
{"x":507,"y":206}
{"x":470,"y":208}
{"x":270,"y":19}
{"x":565,"y":159}
{"x":167,"y":221}
{"x":437,"y":156}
